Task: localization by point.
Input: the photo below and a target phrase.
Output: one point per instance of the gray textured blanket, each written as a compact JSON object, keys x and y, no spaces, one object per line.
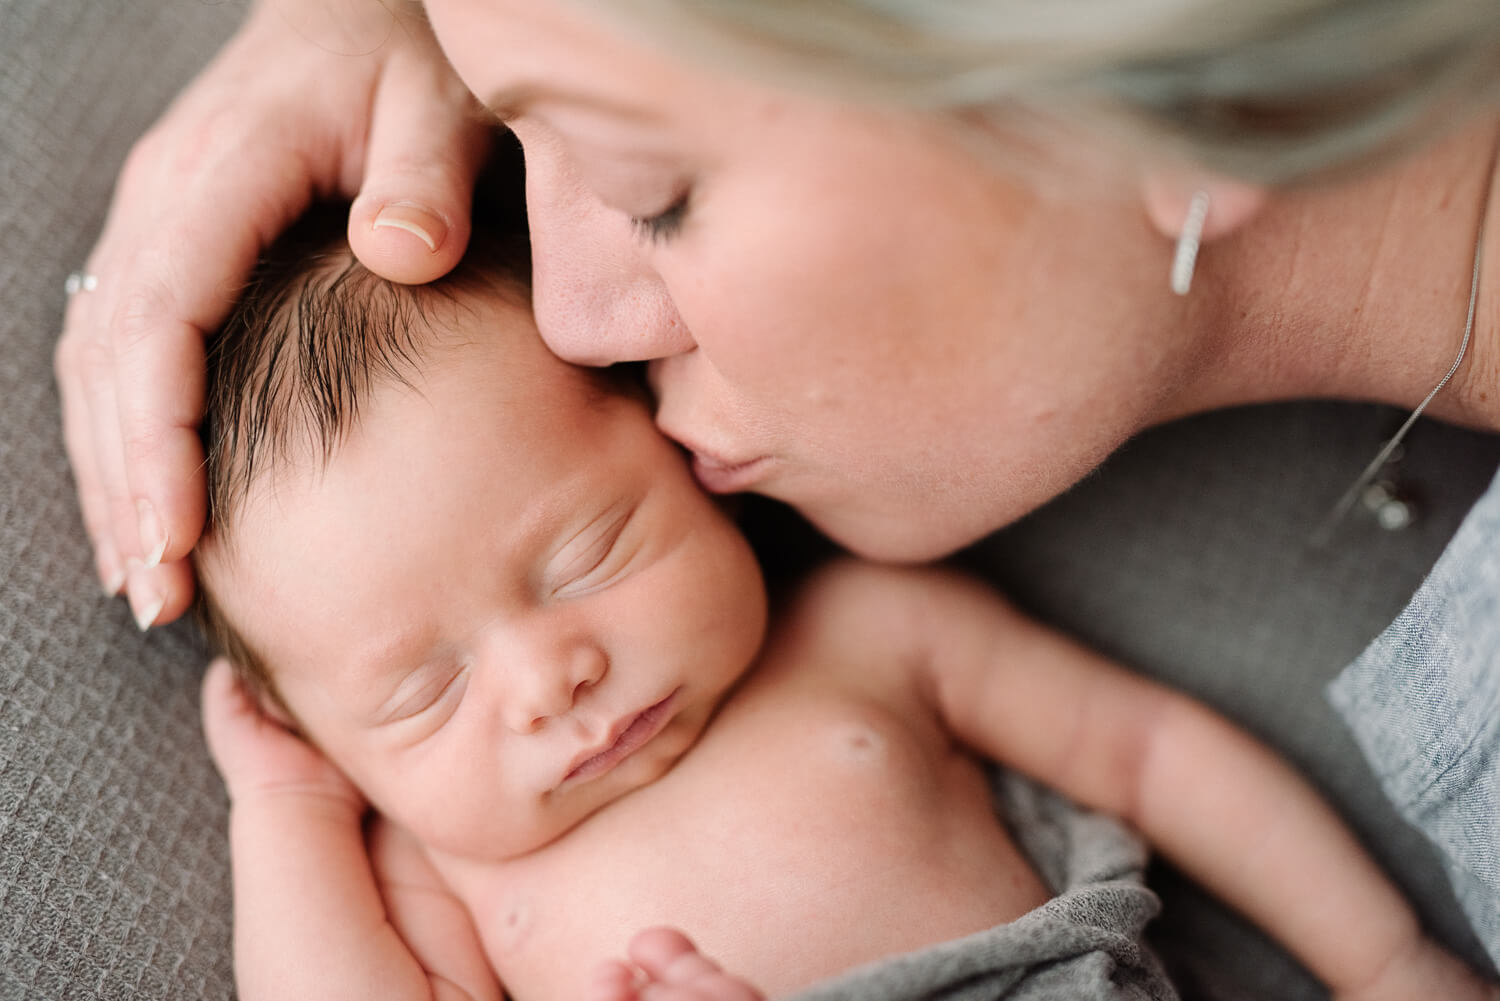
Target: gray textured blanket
{"x":1085,"y":944}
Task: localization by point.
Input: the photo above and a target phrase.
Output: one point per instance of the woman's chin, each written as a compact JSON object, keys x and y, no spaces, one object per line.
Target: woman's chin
{"x":889,"y":538}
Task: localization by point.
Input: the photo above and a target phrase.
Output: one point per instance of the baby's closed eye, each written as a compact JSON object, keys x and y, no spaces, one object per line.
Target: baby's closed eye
{"x":591,"y":558}
{"x":428,"y":688}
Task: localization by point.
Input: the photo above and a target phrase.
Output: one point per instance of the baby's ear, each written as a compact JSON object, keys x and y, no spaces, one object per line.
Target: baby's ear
{"x":1166,"y":194}
{"x":270,"y":704}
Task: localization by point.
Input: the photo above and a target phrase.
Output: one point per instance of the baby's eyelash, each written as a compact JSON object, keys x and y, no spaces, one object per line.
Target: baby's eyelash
{"x":582,"y":573}
{"x":665,"y":224}
{"x":433,"y":691}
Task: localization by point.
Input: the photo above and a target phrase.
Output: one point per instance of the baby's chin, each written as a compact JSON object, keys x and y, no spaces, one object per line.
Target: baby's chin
{"x":496,"y":847}
{"x":562,"y":812}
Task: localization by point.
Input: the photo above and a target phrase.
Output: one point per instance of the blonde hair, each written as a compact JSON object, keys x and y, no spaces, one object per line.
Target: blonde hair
{"x":1265,"y":90}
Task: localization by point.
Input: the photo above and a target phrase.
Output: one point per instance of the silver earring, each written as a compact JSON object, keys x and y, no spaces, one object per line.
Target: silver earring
{"x":1186,"y":257}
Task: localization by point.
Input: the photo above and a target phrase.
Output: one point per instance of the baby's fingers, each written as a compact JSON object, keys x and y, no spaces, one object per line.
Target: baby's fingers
{"x":677,"y":971}
{"x":614,"y":981}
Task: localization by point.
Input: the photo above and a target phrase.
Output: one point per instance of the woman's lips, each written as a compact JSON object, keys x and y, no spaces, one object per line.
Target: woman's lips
{"x":724,"y":477}
{"x":717,"y":471}
{"x":628,"y":737}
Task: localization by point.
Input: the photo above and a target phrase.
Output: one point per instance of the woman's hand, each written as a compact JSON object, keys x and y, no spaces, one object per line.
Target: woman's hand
{"x":258,"y":757}
{"x":321,"y":98}
{"x":665,"y":966}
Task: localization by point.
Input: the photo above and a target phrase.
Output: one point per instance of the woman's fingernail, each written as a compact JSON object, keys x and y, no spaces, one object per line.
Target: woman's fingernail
{"x":146,"y":602}
{"x":153,"y":539}
{"x":419,"y":222}
{"x":111,"y":570}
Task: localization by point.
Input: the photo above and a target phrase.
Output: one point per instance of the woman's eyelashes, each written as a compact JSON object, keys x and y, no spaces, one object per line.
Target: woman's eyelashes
{"x":667,"y":223}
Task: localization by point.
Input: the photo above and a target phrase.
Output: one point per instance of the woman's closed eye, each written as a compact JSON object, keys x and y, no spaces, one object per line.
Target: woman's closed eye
{"x":667,"y":223}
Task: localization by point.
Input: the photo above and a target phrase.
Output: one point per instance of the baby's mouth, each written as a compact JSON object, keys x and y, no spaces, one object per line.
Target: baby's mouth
{"x":629,"y":736}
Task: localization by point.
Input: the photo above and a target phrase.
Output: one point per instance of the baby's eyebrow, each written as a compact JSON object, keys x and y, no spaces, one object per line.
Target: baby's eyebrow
{"x":386,"y":663}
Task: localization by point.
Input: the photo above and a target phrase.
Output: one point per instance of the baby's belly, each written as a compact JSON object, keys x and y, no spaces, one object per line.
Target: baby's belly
{"x":788,"y":852}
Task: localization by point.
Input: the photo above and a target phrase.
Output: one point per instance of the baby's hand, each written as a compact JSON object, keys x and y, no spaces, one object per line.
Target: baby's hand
{"x":665,"y":966}
{"x":259,"y":757}
{"x":1424,"y":972}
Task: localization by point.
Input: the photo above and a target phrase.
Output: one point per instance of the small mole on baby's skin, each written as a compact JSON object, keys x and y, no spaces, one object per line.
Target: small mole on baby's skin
{"x":514,"y":925}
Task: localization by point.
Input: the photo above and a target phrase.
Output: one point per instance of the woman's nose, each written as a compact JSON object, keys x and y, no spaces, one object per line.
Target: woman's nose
{"x":596,"y":297}
{"x":544,"y":680}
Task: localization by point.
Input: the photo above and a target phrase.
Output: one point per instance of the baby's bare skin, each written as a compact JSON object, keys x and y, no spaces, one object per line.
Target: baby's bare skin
{"x":826,"y":817}
{"x":543,"y":654}
{"x":824,"y":788}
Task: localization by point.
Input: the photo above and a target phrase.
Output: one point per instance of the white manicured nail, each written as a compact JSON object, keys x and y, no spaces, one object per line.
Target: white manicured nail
{"x":415,"y":220}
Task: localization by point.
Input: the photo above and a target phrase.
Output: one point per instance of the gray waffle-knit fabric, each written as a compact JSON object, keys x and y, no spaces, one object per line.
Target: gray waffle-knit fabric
{"x":1183,"y":556}
{"x":113,"y":869}
{"x":1085,"y":944}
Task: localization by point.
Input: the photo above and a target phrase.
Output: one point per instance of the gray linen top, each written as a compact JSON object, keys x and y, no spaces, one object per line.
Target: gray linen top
{"x":1423,"y":702}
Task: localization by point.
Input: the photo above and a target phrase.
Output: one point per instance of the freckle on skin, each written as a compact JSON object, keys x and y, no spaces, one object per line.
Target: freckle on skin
{"x":515,"y":925}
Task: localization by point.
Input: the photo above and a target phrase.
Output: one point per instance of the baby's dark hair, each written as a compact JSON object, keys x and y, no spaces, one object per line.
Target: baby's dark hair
{"x":311,"y":335}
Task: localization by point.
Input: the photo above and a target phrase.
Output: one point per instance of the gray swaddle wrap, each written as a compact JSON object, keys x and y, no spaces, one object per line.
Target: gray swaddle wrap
{"x":1086,"y":943}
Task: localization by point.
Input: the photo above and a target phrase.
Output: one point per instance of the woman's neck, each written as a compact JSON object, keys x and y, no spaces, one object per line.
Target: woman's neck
{"x":1360,"y":290}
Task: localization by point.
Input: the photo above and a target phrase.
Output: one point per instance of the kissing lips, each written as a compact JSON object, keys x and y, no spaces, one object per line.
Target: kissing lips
{"x":720,"y":468}
{"x":627,"y":738}
{"x":723,"y":477}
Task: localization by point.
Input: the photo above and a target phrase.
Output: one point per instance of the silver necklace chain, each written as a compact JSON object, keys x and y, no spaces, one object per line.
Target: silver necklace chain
{"x":1356,"y":489}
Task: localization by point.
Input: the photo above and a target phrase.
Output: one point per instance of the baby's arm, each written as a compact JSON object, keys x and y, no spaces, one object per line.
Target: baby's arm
{"x":1215,"y":801}
{"x":309,"y":919}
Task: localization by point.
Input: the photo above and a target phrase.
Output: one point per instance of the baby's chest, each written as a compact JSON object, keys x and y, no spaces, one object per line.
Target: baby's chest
{"x":800,"y":837}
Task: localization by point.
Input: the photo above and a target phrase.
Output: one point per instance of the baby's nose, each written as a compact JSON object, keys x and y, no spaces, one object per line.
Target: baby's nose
{"x":548,"y":687}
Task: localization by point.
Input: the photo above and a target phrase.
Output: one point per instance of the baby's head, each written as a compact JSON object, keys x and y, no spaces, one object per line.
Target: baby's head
{"x":475,"y":576}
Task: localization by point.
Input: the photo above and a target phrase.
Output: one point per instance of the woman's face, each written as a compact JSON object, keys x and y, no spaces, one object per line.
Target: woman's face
{"x":845,"y":309}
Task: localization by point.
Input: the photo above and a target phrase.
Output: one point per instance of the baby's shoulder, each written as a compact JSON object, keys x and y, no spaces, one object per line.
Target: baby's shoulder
{"x":846,"y":599}
{"x":860,"y":598}
{"x":872,"y":622}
